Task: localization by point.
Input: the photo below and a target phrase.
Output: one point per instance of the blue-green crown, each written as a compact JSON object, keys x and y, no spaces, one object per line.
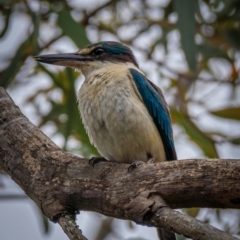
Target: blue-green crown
{"x":114,"y":51}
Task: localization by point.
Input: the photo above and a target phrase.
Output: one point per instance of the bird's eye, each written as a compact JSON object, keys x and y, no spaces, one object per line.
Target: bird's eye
{"x":98,"y":51}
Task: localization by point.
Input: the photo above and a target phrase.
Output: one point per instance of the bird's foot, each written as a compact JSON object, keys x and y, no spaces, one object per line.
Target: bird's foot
{"x":92,"y":161}
{"x":151,"y":160}
{"x":138,"y":163}
{"x":135,"y":165}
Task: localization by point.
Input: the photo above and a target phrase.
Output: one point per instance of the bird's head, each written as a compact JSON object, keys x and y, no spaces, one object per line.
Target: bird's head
{"x":92,"y":57}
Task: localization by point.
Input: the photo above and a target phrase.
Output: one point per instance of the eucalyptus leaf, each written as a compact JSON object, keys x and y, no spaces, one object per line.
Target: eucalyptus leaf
{"x":193,"y":212}
{"x":9,"y":73}
{"x":186,"y":25}
{"x":233,"y":37}
{"x":229,"y":113}
{"x":235,"y":141}
{"x":209,"y":51}
{"x":72,"y":29}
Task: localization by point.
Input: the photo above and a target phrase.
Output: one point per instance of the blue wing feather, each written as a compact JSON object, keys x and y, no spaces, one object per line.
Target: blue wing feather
{"x":157,"y":108}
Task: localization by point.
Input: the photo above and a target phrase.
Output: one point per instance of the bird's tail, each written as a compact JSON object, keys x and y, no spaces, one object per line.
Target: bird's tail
{"x":164,"y":234}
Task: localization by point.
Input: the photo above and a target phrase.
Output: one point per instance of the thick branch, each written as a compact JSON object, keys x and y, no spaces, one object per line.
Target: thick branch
{"x":60,"y":182}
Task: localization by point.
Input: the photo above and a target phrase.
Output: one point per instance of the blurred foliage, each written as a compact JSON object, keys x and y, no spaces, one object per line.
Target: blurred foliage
{"x":230,"y":112}
{"x":192,"y":46}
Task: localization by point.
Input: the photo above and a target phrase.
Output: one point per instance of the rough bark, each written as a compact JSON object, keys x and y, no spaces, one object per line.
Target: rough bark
{"x":59,"y":182}
{"x":69,"y":226}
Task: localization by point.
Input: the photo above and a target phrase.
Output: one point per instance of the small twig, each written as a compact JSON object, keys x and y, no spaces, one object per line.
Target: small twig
{"x":12,"y":197}
{"x":188,"y":226}
{"x":51,"y":41}
{"x":69,"y":226}
{"x":88,"y":16}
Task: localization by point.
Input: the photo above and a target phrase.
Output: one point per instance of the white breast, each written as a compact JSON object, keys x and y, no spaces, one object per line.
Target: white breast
{"x":115,"y":118}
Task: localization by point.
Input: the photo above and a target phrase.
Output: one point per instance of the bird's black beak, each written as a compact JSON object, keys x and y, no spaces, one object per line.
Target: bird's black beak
{"x":73,"y":60}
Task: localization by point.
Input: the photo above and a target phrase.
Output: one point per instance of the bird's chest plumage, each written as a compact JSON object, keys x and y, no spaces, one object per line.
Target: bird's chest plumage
{"x":115,"y":118}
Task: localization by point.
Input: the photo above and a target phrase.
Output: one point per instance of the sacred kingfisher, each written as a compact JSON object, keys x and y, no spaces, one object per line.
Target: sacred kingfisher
{"x":125,"y":115}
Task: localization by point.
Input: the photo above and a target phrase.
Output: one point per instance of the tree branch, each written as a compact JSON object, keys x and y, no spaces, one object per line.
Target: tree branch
{"x":12,"y":197}
{"x":61,"y":183}
{"x":92,"y":13}
{"x":69,"y":226}
{"x":168,"y":218}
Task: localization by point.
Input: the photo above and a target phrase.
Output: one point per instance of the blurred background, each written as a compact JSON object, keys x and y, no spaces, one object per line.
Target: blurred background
{"x":189,"y":48}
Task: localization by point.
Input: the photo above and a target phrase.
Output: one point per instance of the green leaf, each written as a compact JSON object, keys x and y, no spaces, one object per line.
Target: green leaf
{"x":6,"y":1}
{"x":205,"y":143}
{"x":235,"y":141}
{"x":8,"y":12}
{"x":36,"y":23}
{"x":8,"y":74}
{"x":72,"y":29}
{"x":208,"y":51}
{"x":168,"y":9}
{"x":232,"y":36}
{"x":28,"y":47}
{"x":45,"y":224}
{"x":230,"y":113}
{"x":186,"y":25}
{"x":193,"y":212}
{"x":44,"y":221}
{"x":181,"y":237}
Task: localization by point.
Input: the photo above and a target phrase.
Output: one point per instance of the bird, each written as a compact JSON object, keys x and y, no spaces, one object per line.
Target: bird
{"x":125,"y":115}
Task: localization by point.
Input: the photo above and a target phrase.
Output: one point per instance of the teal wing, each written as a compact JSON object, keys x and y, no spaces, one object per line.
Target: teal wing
{"x":157,"y":108}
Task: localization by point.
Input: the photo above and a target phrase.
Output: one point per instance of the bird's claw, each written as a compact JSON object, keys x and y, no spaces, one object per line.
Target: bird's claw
{"x":135,"y":165}
{"x":92,"y":161}
{"x":151,"y":160}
